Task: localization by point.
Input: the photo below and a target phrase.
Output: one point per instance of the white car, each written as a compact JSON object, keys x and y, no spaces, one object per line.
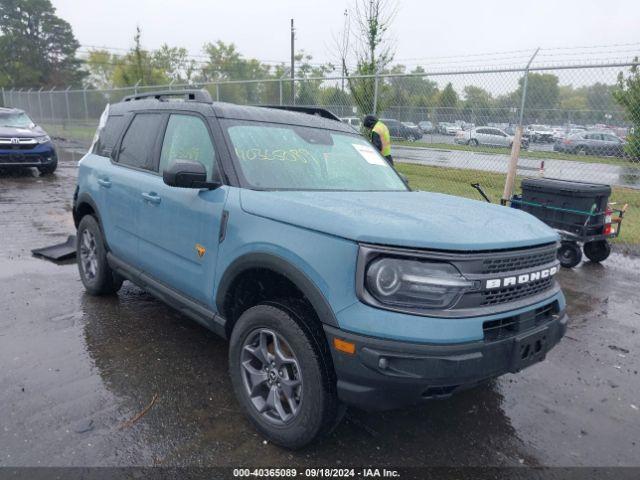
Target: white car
{"x":489,"y":136}
{"x":355,"y":122}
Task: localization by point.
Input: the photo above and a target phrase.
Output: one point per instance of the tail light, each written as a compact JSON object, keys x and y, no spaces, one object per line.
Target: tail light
{"x":566,"y":141}
{"x":608,"y":229}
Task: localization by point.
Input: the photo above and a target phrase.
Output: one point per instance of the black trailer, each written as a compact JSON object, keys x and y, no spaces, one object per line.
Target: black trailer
{"x":579,"y":211}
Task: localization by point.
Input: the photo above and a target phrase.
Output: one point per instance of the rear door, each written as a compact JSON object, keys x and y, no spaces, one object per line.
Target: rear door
{"x":180,"y":227}
{"x":123,"y":177}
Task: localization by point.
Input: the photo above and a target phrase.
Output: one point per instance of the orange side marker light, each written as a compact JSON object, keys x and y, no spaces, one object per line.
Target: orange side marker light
{"x":344,"y":346}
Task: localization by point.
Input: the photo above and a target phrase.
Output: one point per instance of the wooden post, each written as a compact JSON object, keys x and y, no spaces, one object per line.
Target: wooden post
{"x":513,"y":166}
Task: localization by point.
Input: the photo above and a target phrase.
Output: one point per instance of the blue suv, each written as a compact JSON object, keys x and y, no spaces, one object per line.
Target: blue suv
{"x":25,"y":144}
{"x":288,"y":234}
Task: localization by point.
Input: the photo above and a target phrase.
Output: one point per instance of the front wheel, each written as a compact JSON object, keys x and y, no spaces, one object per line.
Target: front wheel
{"x":597,"y":251}
{"x":91,"y":254}
{"x":48,"y":169}
{"x":281,"y":374}
{"x":569,"y":254}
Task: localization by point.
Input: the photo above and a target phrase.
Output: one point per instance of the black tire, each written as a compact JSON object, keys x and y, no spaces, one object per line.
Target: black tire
{"x":581,"y":150}
{"x":569,"y":254}
{"x":48,"y":169}
{"x":318,"y":408}
{"x":597,"y":251}
{"x":473,"y":142}
{"x":98,"y":279}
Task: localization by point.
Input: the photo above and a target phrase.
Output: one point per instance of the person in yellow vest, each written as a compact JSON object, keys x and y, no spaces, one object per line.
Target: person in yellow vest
{"x":379,"y":136}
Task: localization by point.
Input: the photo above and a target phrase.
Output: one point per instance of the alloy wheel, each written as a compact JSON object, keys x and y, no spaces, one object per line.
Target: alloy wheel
{"x":271,"y":376}
{"x":89,"y":255}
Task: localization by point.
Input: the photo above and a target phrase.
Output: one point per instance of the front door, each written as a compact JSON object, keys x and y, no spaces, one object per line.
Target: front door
{"x":179,"y":227}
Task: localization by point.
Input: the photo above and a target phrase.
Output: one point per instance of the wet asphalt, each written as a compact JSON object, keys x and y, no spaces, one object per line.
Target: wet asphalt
{"x":76,"y":372}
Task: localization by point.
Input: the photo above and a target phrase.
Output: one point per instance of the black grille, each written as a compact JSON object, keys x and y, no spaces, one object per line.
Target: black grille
{"x":518,"y":262}
{"x":510,"y":326}
{"x":516,"y":292}
{"x":19,"y":158}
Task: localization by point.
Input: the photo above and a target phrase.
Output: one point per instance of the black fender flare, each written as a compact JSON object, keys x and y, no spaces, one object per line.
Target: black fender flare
{"x":85,"y":197}
{"x":280,"y":266}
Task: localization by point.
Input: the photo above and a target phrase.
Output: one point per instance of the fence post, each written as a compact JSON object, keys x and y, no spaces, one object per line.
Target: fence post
{"x":66,"y":100}
{"x":53,"y":114}
{"x":280,"y":88}
{"x":375,"y":94}
{"x":86,"y":105}
{"x":171,"y":84}
{"x":40,"y":104}
{"x":29,"y":101}
{"x":515,"y":148}
{"x":4,"y":103}
{"x":135,"y":87}
{"x":217,"y":92}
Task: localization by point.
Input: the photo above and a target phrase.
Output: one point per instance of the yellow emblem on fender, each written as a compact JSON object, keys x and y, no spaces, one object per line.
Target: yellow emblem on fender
{"x":200,"y":249}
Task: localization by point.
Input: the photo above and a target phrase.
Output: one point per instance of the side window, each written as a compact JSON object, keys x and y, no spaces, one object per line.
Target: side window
{"x":137,"y":147}
{"x":187,"y":138}
{"x":109,"y":135}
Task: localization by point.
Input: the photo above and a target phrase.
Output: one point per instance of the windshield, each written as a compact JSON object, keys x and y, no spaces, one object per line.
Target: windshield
{"x":19,"y":120}
{"x":287,"y":157}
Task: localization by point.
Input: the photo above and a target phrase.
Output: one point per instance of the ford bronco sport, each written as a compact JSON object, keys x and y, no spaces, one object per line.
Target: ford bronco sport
{"x":288,"y":234}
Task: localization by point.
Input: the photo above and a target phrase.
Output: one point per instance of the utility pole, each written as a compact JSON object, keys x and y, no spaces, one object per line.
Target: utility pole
{"x":293,"y":64}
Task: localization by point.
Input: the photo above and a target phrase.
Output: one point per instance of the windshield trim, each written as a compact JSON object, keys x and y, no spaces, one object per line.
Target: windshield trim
{"x":225,"y":123}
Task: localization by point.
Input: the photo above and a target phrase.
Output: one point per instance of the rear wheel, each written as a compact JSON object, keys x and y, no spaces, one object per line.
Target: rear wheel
{"x":569,"y":254}
{"x":95,"y":273}
{"x":582,"y":150}
{"x":473,"y":142}
{"x":597,"y":251}
{"x":280,"y":375}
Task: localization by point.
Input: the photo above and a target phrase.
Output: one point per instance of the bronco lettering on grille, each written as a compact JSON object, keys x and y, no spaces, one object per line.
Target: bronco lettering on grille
{"x":520,"y":279}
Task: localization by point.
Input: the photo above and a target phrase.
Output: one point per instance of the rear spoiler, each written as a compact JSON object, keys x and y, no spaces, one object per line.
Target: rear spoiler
{"x":319,"y":112}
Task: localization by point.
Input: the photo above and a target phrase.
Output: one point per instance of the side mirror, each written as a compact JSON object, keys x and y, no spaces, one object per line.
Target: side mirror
{"x":188,"y":174}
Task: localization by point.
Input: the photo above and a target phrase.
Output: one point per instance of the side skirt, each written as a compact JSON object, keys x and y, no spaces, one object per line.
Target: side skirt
{"x":170,"y":296}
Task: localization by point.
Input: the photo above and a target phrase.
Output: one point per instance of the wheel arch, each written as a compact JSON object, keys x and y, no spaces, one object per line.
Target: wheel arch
{"x":278,"y":266}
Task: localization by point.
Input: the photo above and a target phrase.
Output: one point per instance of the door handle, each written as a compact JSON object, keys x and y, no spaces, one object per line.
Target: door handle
{"x":151,"y":197}
{"x":103,"y":182}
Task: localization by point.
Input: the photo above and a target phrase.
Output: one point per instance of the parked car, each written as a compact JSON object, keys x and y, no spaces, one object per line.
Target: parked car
{"x":414,"y":129}
{"x":355,"y":122}
{"x":591,"y":143}
{"x":291,"y":236}
{"x":399,"y":130}
{"x":426,"y":126}
{"x":25,"y":144}
{"x":488,"y":136}
{"x":540,"y":134}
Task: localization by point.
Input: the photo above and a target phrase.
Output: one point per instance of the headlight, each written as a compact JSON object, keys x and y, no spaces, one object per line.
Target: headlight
{"x":415,"y":284}
{"x":43,"y":139}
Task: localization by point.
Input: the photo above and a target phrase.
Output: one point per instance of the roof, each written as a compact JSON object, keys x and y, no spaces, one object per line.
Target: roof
{"x":277,"y":114}
{"x":10,"y":110}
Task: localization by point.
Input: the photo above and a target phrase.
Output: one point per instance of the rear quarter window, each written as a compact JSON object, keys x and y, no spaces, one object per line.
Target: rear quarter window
{"x":108,"y":136}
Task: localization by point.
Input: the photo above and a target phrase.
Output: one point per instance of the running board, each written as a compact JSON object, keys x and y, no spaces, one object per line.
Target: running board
{"x":184,"y":304}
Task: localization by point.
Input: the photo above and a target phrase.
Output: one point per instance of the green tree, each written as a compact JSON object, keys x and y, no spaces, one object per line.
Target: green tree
{"x":543,"y":95}
{"x":37,"y":47}
{"x":373,"y":51}
{"x":627,"y":94}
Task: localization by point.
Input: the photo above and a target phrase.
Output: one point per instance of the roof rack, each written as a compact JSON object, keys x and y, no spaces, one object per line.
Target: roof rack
{"x":193,"y":95}
{"x":320,"y":112}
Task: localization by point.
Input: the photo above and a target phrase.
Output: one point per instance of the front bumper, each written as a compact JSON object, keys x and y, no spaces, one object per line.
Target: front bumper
{"x":41,"y":155}
{"x":386,"y":374}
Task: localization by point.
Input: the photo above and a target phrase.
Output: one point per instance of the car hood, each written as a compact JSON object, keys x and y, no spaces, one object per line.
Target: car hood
{"x":21,"y":132}
{"x":404,"y":219}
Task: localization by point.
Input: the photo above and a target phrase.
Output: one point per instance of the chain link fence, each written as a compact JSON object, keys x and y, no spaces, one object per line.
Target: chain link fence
{"x":450,"y":128}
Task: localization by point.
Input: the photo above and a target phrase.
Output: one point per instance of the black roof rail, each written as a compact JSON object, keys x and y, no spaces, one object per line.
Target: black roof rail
{"x":320,"y":112}
{"x":193,"y":95}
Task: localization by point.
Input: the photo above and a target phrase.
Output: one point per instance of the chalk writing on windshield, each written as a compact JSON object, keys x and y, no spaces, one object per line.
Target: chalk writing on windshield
{"x":284,"y":155}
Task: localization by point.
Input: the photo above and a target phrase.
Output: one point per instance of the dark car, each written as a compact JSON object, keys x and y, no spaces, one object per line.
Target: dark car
{"x":591,"y":143}
{"x":24,"y":144}
{"x":398,"y":129}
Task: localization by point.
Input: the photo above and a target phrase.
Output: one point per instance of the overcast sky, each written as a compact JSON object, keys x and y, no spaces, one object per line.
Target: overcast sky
{"x":422,"y":29}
